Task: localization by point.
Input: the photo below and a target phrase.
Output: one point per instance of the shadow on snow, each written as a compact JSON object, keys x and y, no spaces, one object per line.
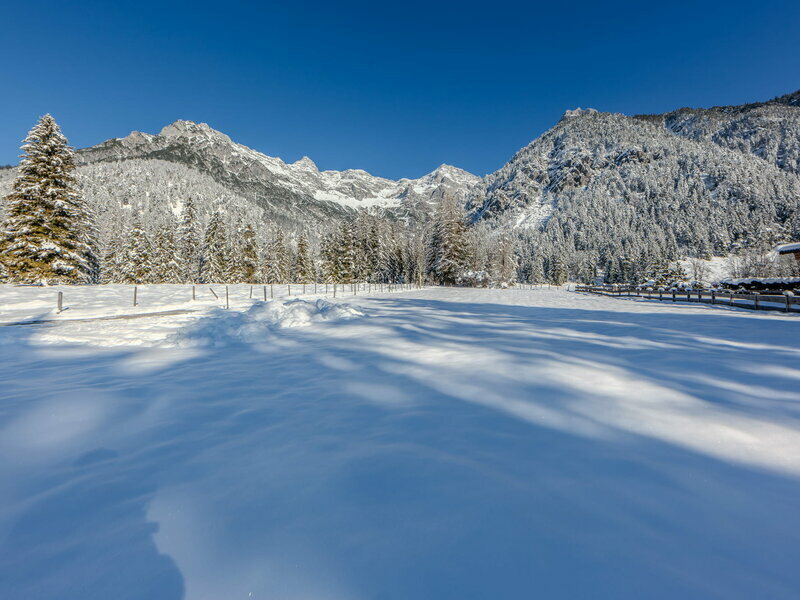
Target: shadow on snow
{"x":436,"y":450}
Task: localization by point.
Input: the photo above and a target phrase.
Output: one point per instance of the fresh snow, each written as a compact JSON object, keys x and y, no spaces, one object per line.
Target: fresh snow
{"x":436,"y":443}
{"x":788,"y":248}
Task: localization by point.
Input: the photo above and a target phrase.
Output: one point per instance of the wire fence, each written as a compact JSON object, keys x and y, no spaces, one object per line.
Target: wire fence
{"x":786,"y":302}
{"x":109,"y":300}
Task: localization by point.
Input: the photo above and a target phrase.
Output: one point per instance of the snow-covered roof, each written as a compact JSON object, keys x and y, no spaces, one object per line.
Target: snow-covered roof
{"x":788,"y":248}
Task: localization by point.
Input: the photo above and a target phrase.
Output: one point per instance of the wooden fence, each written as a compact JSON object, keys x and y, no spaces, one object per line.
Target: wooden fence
{"x":753,"y":301}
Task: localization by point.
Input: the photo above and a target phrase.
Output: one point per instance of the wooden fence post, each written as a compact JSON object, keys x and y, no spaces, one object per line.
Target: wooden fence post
{"x":334,"y":289}
{"x":227,"y":301}
{"x":61,"y":301}
{"x":193,"y":293}
{"x":134,"y":295}
{"x":265,"y":293}
{"x":288,"y":289}
{"x":755,"y":299}
{"x":713,"y":297}
{"x":788,"y":306}
{"x":673,"y":295}
{"x":271,"y":292}
{"x":251,"y":291}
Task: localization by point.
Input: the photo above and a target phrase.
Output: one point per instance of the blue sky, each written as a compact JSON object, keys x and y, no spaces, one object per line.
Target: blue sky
{"x":393,"y":88}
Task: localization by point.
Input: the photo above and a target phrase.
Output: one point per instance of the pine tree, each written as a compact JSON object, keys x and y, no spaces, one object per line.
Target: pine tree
{"x":111,"y":261}
{"x":558,"y":270}
{"x":249,"y":252}
{"x":303,"y":271}
{"x":189,"y":251}
{"x":345,"y":254}
{"x":137,"y":258}
{"x":214,"y":261}
{"x":48,"y":234}
{"x":276,"y":267}
{"x":234,"y":265}
{"x":448,"y":249}
{"x":166,"y":267}
{"x":504,"y":261}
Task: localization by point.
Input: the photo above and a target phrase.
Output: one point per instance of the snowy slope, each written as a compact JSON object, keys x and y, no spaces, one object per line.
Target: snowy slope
{"x":296,"y":189}
{"x":448,"y":444}
{"x":590,"y":157}
{"x":768,"y":130}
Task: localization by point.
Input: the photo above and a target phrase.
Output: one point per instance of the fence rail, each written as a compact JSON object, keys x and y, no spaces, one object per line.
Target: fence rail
{"x":753,"y":301}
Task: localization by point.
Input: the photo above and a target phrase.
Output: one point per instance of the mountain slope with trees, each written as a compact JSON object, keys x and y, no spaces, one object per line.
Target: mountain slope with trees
{"x":598,"y":195}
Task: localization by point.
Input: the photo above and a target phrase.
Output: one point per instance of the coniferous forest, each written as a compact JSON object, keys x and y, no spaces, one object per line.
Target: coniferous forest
{"x":588,"y":215}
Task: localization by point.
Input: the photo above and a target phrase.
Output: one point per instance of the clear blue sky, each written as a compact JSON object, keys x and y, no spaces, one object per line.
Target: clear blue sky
{"x":393,"y":88}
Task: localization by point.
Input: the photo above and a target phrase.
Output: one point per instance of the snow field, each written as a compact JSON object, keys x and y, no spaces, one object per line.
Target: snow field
{"x":439,"y":443}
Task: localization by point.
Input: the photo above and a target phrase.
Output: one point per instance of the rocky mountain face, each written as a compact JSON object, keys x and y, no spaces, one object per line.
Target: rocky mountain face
{"x":707,"y":180}
{"x":696,"y":180}
{"x":768,"y":130}
{"x":296,"y":191}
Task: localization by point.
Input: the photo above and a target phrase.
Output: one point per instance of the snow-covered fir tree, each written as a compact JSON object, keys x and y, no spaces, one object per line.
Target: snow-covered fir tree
{"x":136,"y":265}
{"x":165,"y":262}
{"x":303,"y":269}
{"x":48,"y":235}
{"x":276,"y":264}
{"x":249,"y":252}
{"x":189,"y":249}
{"x":214,"y":262}
{"x":448,"y":245}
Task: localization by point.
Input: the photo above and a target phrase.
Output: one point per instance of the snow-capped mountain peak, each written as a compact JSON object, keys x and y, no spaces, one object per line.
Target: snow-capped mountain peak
{"x":296,"y":191}
{"x":190,"y":129}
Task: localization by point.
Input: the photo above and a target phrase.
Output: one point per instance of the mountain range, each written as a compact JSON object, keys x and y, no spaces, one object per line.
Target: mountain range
{"x":733,"y":168}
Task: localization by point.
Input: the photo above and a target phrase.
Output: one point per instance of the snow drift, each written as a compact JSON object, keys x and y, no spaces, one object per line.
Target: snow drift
{"x":224,"y":328}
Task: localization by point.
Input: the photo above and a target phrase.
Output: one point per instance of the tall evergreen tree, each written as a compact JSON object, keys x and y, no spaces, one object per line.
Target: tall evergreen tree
{"x":249,"y":249}
{"x":448,"y":246}
{"x":214,"y":260}
{"x":276,"y":260}
{"x":137,"y":259}
{"x":303,"y":271}
{"x":189,"y":250}
{"x":165,"y":263}
{"x":48,"y":234}
{"x":504,"y":261}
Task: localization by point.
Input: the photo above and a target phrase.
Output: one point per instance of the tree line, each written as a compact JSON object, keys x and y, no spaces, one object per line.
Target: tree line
{"x":50,"y":235}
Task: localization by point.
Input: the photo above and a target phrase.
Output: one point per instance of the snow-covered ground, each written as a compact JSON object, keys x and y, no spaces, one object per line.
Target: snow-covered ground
{"x":435,"y":443}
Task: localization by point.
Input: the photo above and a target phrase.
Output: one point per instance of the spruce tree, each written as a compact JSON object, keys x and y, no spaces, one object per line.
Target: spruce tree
{"x":111,"y":261}
{"x":276,"y":259}
{"x":189,"y":250}
{"x":214,"y":263}
{"x":48,"y":235}
{"x":249,"y":250}
{"x":303,"y":271}
{"x":166,"y":266}
{"x":137,"y":259}
{"x":448,"y":247}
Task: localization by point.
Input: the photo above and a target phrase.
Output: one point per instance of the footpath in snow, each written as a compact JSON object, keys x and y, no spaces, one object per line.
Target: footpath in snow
{"x":436,"y":443}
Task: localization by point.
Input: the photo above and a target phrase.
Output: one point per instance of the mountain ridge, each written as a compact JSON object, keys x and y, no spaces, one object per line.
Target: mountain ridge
{"x":278,"y":186}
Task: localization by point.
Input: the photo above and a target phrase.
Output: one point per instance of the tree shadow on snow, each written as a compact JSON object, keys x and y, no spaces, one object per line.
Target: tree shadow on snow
{"x":430,"y":451}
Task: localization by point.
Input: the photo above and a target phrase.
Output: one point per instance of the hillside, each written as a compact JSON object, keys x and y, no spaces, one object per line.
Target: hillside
{"x":600,"y":186}
{"x":296,"y":191}
{"x":597,"y":190}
